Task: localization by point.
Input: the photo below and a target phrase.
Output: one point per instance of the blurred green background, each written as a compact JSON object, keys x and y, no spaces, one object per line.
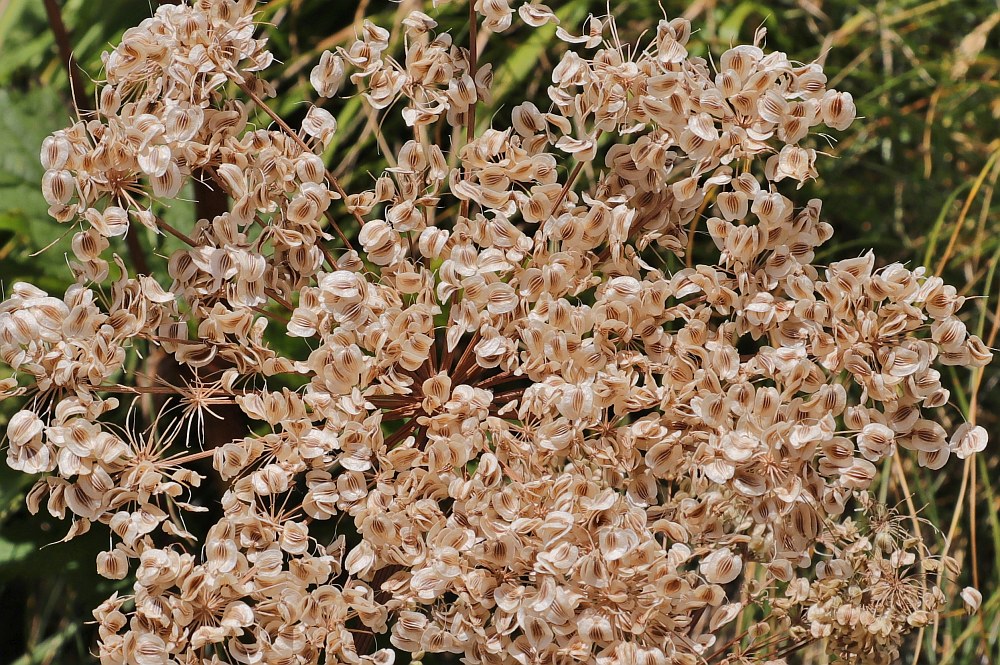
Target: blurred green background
{"x":914,"y":178}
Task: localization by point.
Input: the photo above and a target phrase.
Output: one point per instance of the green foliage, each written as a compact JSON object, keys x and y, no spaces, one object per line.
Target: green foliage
{"x":25,"y":119}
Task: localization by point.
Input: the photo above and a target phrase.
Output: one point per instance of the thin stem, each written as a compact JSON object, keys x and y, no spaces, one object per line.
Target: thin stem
{"x":274,"y":295}
{"x":505,"y":377}
{"x":271,"y":315}
{"x":305,"y":146}
{"x":140,"y":390}
{"x":460,"y":373}
{"x":900,"y":474}
{"x":186,"y":239}
{"x":400,"y":434}
{"x":193,"y":457}
{"x":66,"y":54}
{"x":470,"y":125}
{"x":572,"y":179}
{"x":401,"y":412}
{"x":960,"y":222}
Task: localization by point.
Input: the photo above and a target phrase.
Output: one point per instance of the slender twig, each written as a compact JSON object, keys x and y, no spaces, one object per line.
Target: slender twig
{"x":186,"y":239}
{"x":271,"y":315}
{"x":193,"y":457}
{"x":960,"y":222}
{"x":66,"y":54}
{"x":305,"y":146}
{"x":400,"y":434}
{"x":572,"y":179}
{"x":460,"y":374}
{"x":504,"y":377}
{"x":401,"y":412}
{"x":470,"y":125}
{"x":278,"y":299}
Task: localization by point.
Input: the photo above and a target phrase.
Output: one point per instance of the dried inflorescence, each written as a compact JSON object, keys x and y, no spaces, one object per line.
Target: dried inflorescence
{"x":532,"y":423}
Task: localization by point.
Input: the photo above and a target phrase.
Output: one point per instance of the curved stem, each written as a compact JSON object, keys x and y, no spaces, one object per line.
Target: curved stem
{"x":470,"y":124}
{"x":66,"y":54}
{"x":305,"y":146}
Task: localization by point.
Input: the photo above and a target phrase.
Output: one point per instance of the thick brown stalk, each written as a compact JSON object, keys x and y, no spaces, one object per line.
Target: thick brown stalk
{"x":501,"y":399}
{"x":364,"y":643}
{"x":136,"y":252}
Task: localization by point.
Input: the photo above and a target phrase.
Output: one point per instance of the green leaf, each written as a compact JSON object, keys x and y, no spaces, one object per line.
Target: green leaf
{"x":25,"y":120}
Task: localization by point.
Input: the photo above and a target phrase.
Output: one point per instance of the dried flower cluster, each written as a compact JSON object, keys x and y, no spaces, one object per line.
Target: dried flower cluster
{"x":514,"y":433}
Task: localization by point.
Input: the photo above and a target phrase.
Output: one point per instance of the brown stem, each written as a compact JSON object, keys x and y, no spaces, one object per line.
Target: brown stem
{"x":401,"y":412}
{"x":135,"y":251}
{"x":505,"y":377}
{"x":389,"y":401}
{"x":470,"y":125}
{"x":186,"y":239}
{"x":139,"y":390}
{"x":364,"y":643}
{"x":465,"y":362}
{"x":508,"y":396}
{"x":271,"y":315}
{"x":66,"y":54}
{"x":572,"y":178}
{"x":278,"y":299}
{"x":400,"y":434}
{"x":421,"y":439}
{"x":424,"y":371}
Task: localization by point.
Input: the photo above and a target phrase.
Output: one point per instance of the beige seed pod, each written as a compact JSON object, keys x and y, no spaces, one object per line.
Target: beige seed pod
{"x":967,"y":440}
{"x":838,"y":109}
{"x":876,"y":441}
{"x":721,"y":566}
{"x":972,"y":599}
